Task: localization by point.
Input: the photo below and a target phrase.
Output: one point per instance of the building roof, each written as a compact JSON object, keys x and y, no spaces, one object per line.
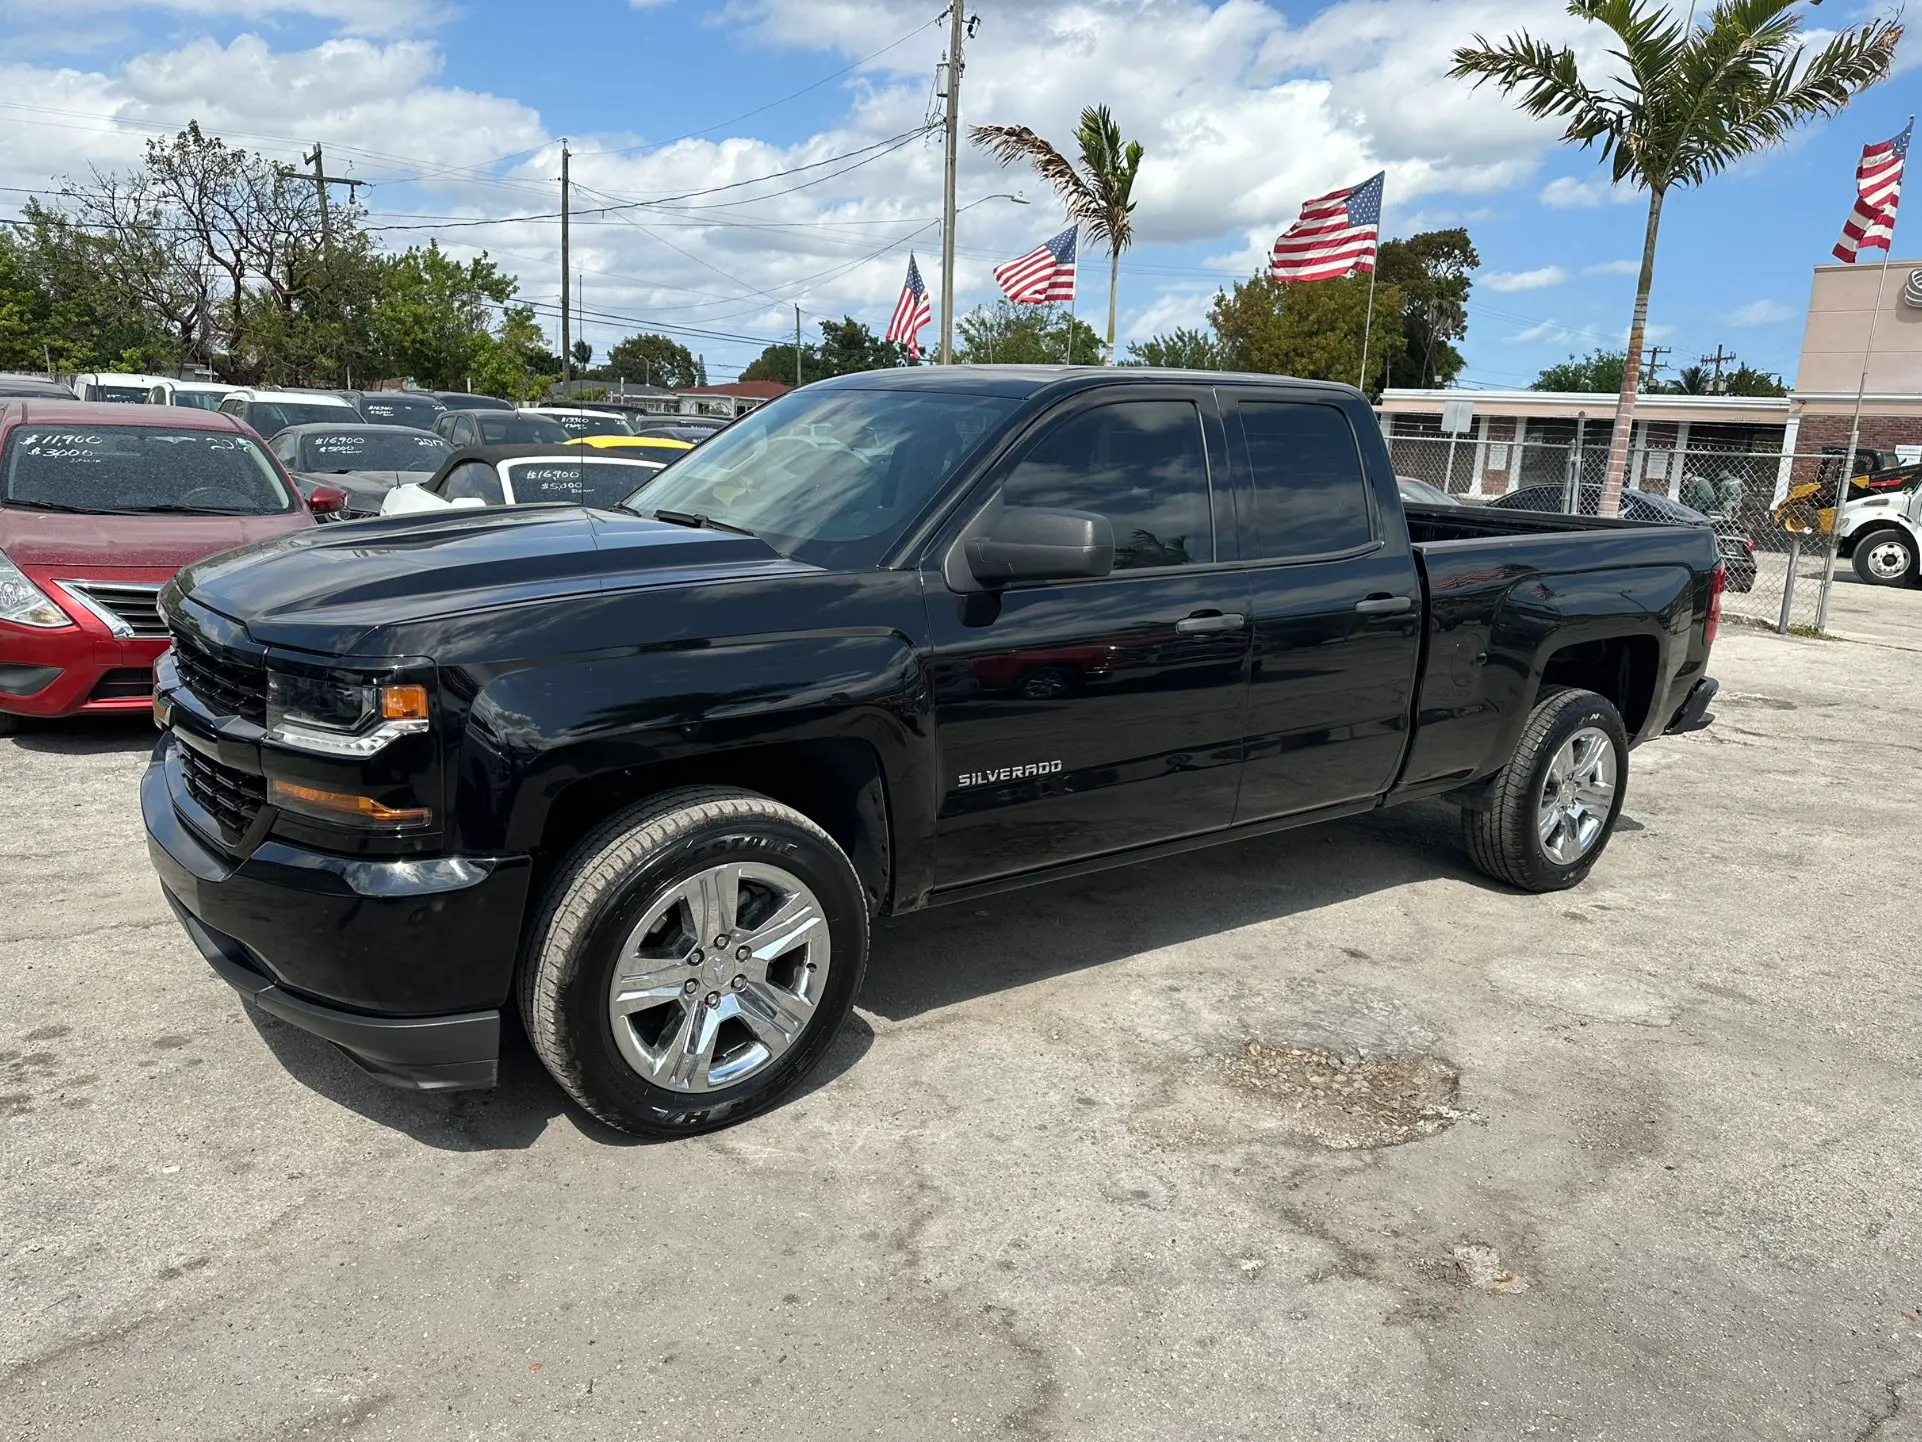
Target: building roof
{"x":750,"y":390}
{"x":1597,"y":405}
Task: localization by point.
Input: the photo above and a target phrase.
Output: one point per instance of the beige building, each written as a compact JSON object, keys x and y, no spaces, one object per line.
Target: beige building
{"x":1526,"y":437}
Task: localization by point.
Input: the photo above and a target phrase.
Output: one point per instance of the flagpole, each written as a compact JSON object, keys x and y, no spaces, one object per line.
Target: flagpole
{"x":1068,"y":357}
{"x":1367,"y":329}
{"x":1855,"y":436}
{"x":1855,"y":427}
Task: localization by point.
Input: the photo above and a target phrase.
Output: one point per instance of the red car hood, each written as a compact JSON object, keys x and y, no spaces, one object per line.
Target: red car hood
{"x":104,"y":544}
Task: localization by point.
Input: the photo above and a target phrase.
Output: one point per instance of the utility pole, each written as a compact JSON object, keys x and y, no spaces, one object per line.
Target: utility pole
{"x":957,"y":29}
{"x":322,"y":180}
{"x":1718,"y":360}
{"x":797,"y":347}
{"x":567,"y":336}
{"x":1655,"y":354}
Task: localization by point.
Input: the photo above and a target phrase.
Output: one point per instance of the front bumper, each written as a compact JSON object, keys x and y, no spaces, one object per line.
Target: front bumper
{"x":50,"y":674}
{"x":403,"y":964}
{"x":1694,"y":713}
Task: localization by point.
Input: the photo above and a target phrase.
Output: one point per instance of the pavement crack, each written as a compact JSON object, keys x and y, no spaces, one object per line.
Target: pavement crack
{"x":1895,"y":1402}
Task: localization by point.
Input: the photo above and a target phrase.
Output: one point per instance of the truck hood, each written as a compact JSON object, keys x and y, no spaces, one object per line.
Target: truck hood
{"x":328,"y":588}
{"x":102,"y":545}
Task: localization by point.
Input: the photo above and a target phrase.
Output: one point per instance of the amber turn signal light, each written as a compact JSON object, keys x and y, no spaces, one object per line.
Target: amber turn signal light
{"x":343,"y":804}
{"x":403,"y":703}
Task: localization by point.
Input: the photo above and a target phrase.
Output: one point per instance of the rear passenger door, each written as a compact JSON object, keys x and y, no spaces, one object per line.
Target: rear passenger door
{"x":1088,"y":716}
{"x":1336,"y":606}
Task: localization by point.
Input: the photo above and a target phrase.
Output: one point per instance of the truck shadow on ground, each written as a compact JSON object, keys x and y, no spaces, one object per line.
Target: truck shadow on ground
{"x":89,"y":736}
{"x":510,"y":1117}
{"x":951,"y":955}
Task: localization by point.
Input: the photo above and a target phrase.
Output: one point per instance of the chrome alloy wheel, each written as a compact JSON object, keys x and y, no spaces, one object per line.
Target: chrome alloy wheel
{"x":1888,"y":560}
{"x":720,"y":977}
{"x":1577,"y":795}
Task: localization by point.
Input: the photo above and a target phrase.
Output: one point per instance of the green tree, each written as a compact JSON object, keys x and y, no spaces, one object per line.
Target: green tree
{"x":1099,"y":196}
{"x":1683,"y":101}
{"x":1434,"y":270}
{"x":583,"y":355}
{"x":847,"y":346}
{"x":433,"y":319}
{"x":1181,"y":349}
{"x":1600,"y":371}
{"x":1746,"y":380}
{"x":1008,"y":334}
{"x":513,"y":363}
{"x":1311,"y":329}
{"x":650,"y":359}
{"x":59,"y":299}
{"x":776,"y":363}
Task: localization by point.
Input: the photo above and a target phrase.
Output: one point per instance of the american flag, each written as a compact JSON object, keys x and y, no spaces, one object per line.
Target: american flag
{"x":911,"y":312}
{"x":1878,"y":190}
{"x":1336,"y":235}
{"x":1044,"y":274}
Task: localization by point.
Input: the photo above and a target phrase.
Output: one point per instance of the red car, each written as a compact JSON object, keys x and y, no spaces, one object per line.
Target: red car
{"x":99,"y":506}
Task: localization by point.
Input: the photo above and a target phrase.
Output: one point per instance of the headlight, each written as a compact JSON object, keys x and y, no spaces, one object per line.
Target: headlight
{"x":335,"y":715}
{"x":24,"y":603}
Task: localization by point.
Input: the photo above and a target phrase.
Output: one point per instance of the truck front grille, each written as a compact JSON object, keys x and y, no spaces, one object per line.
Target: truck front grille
{"x":226,"y":683}
{"x":233,"y":798}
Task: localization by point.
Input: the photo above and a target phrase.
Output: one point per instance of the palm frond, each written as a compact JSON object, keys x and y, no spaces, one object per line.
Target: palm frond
{"x":1011,"y":143}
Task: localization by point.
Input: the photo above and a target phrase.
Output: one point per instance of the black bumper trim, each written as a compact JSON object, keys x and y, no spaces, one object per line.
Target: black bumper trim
{"x":1694,"y":715}
{"x":434,"y":1053}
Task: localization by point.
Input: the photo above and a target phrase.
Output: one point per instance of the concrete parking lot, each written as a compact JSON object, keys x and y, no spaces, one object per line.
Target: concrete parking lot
{"x":1314,"y":1136}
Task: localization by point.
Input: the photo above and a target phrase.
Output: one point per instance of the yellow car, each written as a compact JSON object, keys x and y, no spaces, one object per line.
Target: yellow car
{"x":656,"y":448}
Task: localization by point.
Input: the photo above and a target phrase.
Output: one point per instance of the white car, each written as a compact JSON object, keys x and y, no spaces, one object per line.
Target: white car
{"x":510,"y":476}
{"x":116,"y":386}
{"x":199,"y":395}
{"x":1882,"y":536}
{"x":270,"y":411}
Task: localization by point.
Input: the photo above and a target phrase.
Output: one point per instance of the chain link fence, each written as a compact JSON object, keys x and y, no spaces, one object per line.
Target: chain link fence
{"x":1754,"y":500}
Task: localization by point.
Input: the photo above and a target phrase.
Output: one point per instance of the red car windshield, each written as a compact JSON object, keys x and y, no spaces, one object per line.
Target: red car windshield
{"x":139,"y":470}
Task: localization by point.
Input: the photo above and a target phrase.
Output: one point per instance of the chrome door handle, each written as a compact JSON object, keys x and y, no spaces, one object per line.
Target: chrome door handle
{"x":1385,"y":605}
{"x":1211,"y":623}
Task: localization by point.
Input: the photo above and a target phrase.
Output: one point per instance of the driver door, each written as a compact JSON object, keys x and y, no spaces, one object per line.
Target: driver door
{"x":1082,"y":717}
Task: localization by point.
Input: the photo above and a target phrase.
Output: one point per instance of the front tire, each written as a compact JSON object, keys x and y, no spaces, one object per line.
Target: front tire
{"x":1551,"y":810}
{"x":1886,"y":558}
{"x":692,"y":961}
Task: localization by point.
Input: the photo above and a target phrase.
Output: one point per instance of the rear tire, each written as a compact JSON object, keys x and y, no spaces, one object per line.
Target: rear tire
{"x":1549,"y":814}
{"x":12,"y":725}
{"x":1886,"y":558}
{"x":622,"y":986}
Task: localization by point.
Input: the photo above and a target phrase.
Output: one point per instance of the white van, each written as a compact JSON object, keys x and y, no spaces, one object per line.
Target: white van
{"x":125,"y":388}
{"x":200,"y":395}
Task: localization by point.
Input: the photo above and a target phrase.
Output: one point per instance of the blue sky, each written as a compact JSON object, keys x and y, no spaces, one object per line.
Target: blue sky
{"x":1245,"y":108}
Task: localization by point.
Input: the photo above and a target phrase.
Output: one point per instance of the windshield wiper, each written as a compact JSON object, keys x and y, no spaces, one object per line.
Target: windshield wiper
{"x":69,"y":510}
{"x":172,"y":510}
{"x":690,"y":518}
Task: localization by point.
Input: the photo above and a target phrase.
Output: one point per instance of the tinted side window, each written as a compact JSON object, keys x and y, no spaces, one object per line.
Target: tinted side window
{"x":473,"y":480}
{"x":1310,"y":498}
{"x":1139,"y":463}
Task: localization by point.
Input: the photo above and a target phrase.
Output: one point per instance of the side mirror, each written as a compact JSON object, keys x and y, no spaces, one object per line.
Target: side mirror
{"x":1029,"y":543}
{"x":327,"y":500}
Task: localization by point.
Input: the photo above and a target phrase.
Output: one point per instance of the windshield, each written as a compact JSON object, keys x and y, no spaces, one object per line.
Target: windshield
{"x":395,"y":450}
{"x":269,"y":418}
{"x":594,"y":425}
{"x":200,"y":400}
{"x":830,"y":476}
{"x":600,"y":483}
{"x":506,"y":428}
{"x":134,"y":470}
{"x":389,"y":410}
{"x":119,"y":395}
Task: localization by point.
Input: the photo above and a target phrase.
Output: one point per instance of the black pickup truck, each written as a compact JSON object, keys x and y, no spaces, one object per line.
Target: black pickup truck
{"x":897,"y":639}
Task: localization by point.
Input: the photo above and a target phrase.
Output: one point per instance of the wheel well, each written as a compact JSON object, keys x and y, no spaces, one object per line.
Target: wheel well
{"x":1622,"y":668}
{"x":837,"y":784}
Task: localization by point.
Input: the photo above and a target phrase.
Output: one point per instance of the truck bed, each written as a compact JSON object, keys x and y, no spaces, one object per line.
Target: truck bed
{"x":1498,"y":582}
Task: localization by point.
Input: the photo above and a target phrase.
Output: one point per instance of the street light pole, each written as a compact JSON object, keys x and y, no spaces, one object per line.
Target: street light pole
{"x":957,"y":27}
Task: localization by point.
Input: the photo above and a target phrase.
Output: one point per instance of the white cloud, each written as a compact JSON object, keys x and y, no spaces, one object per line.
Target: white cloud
{"x":1507,"y":282}
{"x":1614,"y":267}
{"x":1546,"y":330}
{"x":1760,"y":312}
{"x":1566,"y":193}
{"x":1186,"y":306}
{"x":373,"y":18}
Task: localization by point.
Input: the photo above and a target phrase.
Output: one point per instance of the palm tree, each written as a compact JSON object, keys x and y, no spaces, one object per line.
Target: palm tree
{"x":1687,"y":101}
{"x":1098,"y":196}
